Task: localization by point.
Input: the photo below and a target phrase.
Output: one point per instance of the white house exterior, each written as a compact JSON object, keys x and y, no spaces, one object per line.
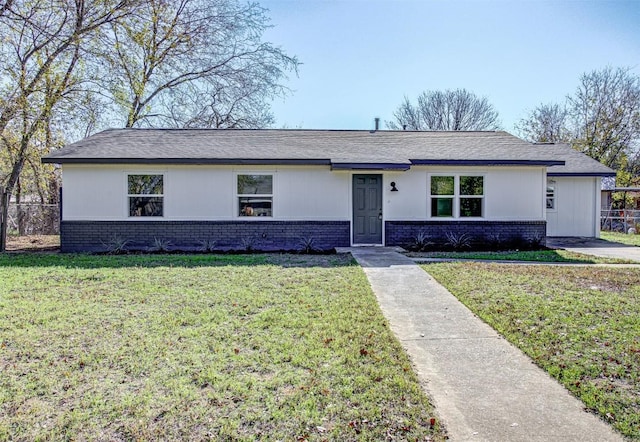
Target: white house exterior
{"x":574,"y":193}
{"x":277,"y":189}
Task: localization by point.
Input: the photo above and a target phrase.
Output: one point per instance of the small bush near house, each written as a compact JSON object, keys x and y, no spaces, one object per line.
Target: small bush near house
{"x":208,"y":245}
{"x":116,"y":245}
{"x":421,"y":242}
{"x":458,"y":241}
{"x":307,"y":244}
{"x":160,"y":245}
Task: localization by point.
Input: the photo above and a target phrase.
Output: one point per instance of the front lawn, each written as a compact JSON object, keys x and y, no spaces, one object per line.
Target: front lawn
{"x":582,"y":325}
{"x":202,"y":347}
{"x":624,"y":238}
{"x":523,"y":255}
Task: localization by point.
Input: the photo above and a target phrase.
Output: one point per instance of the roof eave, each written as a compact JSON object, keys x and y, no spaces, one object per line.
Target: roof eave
{"x":584,"y":174}
{"x":192,"y":161}
{"x":448,"y":162}
{"x":370,"y":166}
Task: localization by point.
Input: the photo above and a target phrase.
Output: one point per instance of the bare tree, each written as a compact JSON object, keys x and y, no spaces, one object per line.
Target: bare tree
{"x":5,"y":6}
{"x":446,"y":110}
{"x":195,"y":63}
{"x":605,"y":114}
{"x":547,"y":123}
{"x":42,"y":48}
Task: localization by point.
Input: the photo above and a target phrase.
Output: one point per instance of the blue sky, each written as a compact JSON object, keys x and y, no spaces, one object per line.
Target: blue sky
{"x":361,"y":57}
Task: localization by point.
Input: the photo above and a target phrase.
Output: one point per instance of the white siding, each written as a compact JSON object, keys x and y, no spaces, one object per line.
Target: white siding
{"x":205,"y":192}
{"x":93,"y":193}
{"x":511,"y":193}
{"x":312,"y":194}
{"x":577,"y":207}
{"x":299,"y":193}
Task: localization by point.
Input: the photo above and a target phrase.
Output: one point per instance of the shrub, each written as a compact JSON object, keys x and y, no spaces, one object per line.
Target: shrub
{"x":420,"y":242}
{"x":160,"y":245}
{"x":116,"y":245}
{"x":207,"y":245}
{"x":248,"y":243}
{"x":458,"y":241}
{"x":307,"y":244}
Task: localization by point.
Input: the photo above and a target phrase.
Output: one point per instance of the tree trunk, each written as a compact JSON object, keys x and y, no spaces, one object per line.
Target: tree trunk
{"x":4,"y":218}
{"x":20,"y":211}
{"x":8,"y":190}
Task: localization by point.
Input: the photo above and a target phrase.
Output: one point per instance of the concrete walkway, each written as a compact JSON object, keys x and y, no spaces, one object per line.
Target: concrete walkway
{"x":596,"y":247}
{"x":483,"y":388}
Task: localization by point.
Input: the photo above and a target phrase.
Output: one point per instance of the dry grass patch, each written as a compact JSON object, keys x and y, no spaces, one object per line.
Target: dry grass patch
{"x":33,"y":243}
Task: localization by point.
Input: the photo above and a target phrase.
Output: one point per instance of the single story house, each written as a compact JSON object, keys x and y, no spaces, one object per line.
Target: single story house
{"x":277,"y":189}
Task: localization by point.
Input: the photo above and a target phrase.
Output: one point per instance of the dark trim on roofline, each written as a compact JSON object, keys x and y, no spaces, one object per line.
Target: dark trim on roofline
{"x":488,"y":162}
{"x":370,"y":166}
{"x":194,"y":161}
{"x":309,"y":161}
{"x":587,"y":174}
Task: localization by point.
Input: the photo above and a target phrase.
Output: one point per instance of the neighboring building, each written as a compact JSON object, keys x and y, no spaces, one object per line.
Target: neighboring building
{"x":277,"y":189}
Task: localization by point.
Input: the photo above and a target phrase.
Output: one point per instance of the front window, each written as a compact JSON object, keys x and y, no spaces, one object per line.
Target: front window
{"x":442,"y":194}
{"x":457,"y":196}
{"x":471,"y":196}
{"x":146,"y":195}
{"x":255,"y":195}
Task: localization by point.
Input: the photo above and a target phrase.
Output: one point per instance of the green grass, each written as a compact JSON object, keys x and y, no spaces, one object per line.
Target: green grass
{"x":171,"y":347}
{"x":582,"y":325}
{"x":525,"y":255}
{"x":632,"y":240}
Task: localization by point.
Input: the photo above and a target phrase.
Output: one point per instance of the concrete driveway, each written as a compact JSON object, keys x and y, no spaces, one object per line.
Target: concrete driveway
{"x":596,"y":247}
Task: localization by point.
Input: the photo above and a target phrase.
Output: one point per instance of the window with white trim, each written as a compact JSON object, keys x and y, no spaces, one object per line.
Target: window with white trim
{"x":442,"y":196}
{"x":255,"y":195}
{"x":456,"y":196}
{"x":551,"y":194}
{"x":146,"y":195}
{"x":471,"y":190}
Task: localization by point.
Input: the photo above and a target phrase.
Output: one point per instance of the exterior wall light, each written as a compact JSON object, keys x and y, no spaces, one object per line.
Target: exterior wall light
{"x":393,"y":186}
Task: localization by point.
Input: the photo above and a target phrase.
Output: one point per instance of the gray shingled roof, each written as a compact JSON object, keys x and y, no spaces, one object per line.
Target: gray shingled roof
{"x":576,"y":163}
{"x":338,"y":148}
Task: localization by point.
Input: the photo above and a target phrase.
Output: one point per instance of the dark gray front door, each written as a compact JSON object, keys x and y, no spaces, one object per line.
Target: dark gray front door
{"x":367,"y":209}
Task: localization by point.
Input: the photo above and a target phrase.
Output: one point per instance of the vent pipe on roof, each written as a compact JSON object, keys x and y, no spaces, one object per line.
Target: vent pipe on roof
{"x":377,"y":120}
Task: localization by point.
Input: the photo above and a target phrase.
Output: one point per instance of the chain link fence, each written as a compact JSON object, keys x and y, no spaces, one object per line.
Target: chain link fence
{"x":619,"y":220}
{"x":33,"y":219}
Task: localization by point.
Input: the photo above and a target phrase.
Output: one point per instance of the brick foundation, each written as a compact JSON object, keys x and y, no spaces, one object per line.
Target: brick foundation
{"x":95,"y":236}
{"x":482,"y":234}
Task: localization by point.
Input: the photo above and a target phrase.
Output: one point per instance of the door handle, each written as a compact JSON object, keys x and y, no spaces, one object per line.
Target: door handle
{"x":380,"y":215}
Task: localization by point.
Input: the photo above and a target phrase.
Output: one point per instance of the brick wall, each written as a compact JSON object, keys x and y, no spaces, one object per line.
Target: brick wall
{"x":482,"y":234}
{"x":96,"y":236}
